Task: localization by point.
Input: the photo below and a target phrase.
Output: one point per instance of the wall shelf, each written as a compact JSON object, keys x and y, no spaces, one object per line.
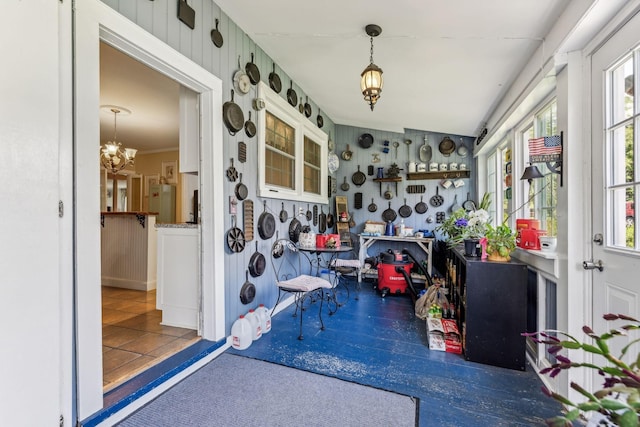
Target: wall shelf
{"x":395,"y":179}
{"x":412,"y":176}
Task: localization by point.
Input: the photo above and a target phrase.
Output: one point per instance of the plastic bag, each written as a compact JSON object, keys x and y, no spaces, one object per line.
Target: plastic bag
{"x":434,"y":295}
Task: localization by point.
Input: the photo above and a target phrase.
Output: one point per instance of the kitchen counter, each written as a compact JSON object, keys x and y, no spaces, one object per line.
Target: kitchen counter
{"x":177,"y":225}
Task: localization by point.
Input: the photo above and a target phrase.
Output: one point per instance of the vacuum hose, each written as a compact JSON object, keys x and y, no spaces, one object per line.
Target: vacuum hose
{"x":427,"y":275}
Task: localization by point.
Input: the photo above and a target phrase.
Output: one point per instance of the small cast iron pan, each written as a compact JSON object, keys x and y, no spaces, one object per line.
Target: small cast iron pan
{"x":436,"y":200}
{"x":365,"y":140}
{"x":389,"y":214}
{"x":266,"y":224}
{"x":216,"y":36}
{"x":241,"y":190}
{"x":252,"y":71}
{"x":295,"y":227}
{"x":292,"y":96}
{"x":405,"y":210}
{"x":248,"y":291}
{"x":274,"y":80}
{"x":372,"y":207}
{"x":284,"y":216}
{"x":307,"y":108}
{"x":277,"y":249}
{"x":358,"y":178}
{"x":232,"y":116}
{"x":257,"y":263}
{"x":421,"y":207}
{"x":250,"y":127}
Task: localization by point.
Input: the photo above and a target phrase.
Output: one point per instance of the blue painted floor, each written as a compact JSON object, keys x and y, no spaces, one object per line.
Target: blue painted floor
{"x":381,"y":343}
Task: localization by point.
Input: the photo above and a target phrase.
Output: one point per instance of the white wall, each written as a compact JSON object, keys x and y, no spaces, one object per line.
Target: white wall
{"x":30,"y":299}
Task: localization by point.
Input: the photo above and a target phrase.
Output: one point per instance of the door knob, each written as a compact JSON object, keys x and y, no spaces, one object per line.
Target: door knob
{"x":591,"y":265}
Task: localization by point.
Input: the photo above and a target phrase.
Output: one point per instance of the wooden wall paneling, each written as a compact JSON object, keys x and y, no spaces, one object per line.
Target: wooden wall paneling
{"x":160,"y":18}
{"x":144,"y":14}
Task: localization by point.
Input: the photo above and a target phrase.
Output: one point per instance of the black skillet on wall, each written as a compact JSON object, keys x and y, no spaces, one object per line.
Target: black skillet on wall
{"x":186,"y":14}
{"x":266,"y":224}
{"x":292,"y":96}
{"x":365,"y":140}
{"x":295,"y":227}
{"x":216,"y":36}
{"x":248,"y":291}
{"x":250,"y":127}
{"x":232,"y":116}
{"x":252,"y":71}
{"x":257,"y":263}
{"x":274,"y":80}
{"x":358,"y":178}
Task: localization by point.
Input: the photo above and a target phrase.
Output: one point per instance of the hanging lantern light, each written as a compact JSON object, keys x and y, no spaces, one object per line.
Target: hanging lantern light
{"x":371,"y":80}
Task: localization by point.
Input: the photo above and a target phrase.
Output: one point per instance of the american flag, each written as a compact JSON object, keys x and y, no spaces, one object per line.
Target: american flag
{"x":546,"y":148}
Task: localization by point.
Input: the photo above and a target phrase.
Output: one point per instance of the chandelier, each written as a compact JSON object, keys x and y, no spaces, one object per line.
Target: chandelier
{"x":371,"y":78}
{"x":113,"y":156}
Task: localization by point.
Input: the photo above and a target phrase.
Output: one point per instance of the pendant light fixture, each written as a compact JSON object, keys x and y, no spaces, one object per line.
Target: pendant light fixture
{"x":371,"y":78}
{"x":113,"y":156}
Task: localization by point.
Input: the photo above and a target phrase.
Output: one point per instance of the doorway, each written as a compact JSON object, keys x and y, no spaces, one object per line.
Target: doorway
{"x":97,"y":22}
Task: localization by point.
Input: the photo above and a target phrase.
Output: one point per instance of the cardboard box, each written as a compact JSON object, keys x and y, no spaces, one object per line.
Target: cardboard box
{"x":444,"y":335}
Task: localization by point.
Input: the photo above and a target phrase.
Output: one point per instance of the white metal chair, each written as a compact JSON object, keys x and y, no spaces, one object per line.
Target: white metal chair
{"x":288,"y":264}
{"x":350,"y":265}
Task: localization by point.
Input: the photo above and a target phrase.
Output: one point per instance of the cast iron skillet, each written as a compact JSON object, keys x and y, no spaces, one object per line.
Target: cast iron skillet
{"x":405,"y":210}
{"x":248,"y":291}
{"x":292,"y":96}
{"x":266,"y":224}
{"x":250,"y":127}
{"x":216,"y":36}
{"x":257,"y":263}
{"x":241,"y":190}
{"x":274,"y":80}
{"x":252,"y":71}
{"x":320,"y":120}
{"x":421,"y":207}
{"x":232,"y":116}
{"x":358,"y":178}
{"x":365,"y":140}
{"x":389,"y":214}
{"x":294,"y":227}
{"x":372,"y":207}
{"x":284,"y":216}
{"x":277,"y":249}
{"x":307,"y":108}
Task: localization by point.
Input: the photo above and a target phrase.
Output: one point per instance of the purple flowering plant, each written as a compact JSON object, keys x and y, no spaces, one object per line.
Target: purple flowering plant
{"x":618,"y":401}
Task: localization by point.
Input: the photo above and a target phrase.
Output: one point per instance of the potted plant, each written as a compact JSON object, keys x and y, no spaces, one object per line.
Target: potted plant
{"x":617,"y":402}
{"x":464,"y":225}
{"x":501,"y":241}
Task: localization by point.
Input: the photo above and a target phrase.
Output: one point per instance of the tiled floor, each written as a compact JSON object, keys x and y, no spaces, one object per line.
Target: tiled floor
{"x":132,"y":337}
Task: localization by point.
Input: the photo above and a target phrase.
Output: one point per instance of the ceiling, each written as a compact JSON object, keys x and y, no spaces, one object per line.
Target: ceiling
{"x":446,"y":64}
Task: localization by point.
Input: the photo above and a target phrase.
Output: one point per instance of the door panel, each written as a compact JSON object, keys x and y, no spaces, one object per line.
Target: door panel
{"x":616,"y":179}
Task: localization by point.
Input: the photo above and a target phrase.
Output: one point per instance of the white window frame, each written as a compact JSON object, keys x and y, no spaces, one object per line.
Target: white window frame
{"x":280,"y":108}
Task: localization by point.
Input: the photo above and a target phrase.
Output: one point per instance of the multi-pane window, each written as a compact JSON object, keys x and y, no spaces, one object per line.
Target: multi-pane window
{"x":492,"y":184}
{"x":292,"y":153}
{"x":621,"y":142}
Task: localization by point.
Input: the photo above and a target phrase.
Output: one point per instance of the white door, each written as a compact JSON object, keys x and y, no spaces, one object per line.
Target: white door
{"x":616,"y":176}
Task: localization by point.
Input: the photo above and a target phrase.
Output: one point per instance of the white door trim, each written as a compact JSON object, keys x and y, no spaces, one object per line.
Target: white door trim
{"x":96,"y":21}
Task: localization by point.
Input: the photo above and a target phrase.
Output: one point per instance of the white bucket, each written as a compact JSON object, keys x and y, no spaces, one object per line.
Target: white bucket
{"x":256,"y":328}
{"x":241,"y":333}
{"x":265,"y":318}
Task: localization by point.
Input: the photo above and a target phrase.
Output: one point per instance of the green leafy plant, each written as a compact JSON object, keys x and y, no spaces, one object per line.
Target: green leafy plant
{"x":618,"y":401}
{"x":461,"y":225}
{"x":501,"y":240}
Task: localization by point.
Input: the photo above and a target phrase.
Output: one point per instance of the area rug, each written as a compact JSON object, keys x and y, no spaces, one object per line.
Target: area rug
{"x":238,"y":391}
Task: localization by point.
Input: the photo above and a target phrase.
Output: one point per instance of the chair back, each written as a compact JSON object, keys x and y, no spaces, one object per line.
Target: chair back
{"x":287,"y":261}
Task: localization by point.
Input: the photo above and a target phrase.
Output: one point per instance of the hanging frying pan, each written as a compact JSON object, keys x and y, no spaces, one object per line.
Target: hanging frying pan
{"x":455,"y":206}
{"x":372,"y":207}
{"x":232,"y":173}
{"x":241,"y":190}
{"x":365,"y":140}
{"x":319,"y":120}
{"x":346,"y":154}
{"x":274,"y":80}
{"x":266,"y":224}
{"x":345,"y":185}
{"x":250,"y":127}
{"x":447,"y":146}
{"x":469,"y":205}
{"x":389,"y":214}
{"x":405,"y":210}
{"x":252,"y":71}
{"x":292,"y":96}
{"x":421,"y":207}
{"x":235,"y":237}
{"x":277,"y":250}
{"x":307,"y":108}
{"x":284,"y":216}
{"x":436,"y":200}
{"x":232,"y":116}
{"x":257,"y":263}
{"x":308,"y":215}
{"x":352,"y":221}
{"x":358,"y":178}
{"x":322,"y":221}
{"x":330,"y":220}
{"x":248,"y":291}
{"x":294,"y":228}
{"x":216,"y":36}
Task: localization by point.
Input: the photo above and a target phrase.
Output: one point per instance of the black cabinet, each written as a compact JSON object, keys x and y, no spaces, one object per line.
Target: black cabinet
{"x":491,"y":307}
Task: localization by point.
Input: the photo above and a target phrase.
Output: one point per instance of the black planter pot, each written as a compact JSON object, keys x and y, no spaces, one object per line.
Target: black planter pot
{"x":472,"y":247}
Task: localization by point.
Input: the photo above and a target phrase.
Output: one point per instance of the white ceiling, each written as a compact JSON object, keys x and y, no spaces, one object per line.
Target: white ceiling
{"x":446,"y":64}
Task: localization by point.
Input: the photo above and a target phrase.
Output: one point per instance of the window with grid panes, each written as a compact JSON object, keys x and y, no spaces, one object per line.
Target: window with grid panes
{"x":546,"y":189}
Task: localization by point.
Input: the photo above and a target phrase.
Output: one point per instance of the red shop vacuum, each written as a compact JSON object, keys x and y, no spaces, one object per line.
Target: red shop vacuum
{"x":394,"y":273}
